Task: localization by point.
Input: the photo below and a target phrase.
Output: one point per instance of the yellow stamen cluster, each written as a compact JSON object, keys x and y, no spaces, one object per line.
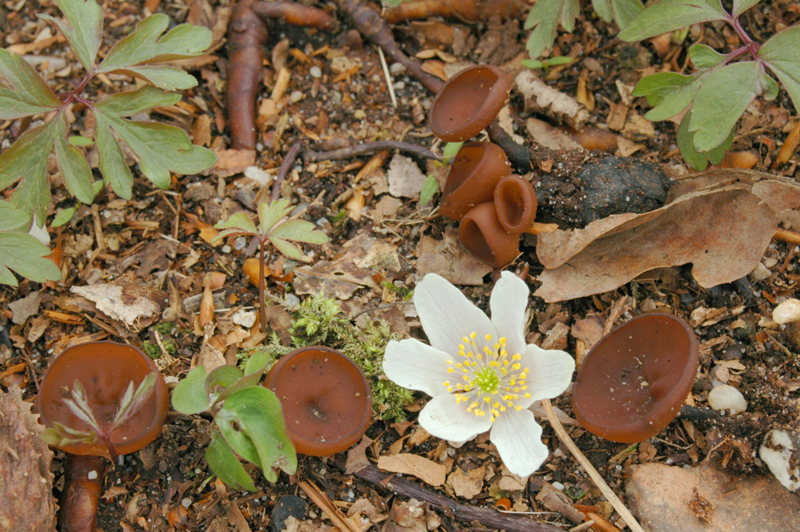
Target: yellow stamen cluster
{"x":492,"y":380}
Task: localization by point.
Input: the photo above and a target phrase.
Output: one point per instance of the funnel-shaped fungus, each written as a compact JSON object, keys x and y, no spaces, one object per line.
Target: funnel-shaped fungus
{"x":634,"y":380}
{"x":468,"y":102}
{"x":326,"y":399}
{"x":476,"y":171}
{"x":515,"y":201}
{"x":482,"y":234}
{"x":105,"y":370}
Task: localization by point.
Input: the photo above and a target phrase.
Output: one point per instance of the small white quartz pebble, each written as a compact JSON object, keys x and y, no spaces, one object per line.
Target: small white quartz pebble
{"x":315,"y":71}
{"x":787,"y":312}
{"x":296,"y":96}
{"x":780,"y":451}
{"x":186,"y":502}
{"x":91,"y":475}
{"x":244,"y":318}
{"x":725,"y":397}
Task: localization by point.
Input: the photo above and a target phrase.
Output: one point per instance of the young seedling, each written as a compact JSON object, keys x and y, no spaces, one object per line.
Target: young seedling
{"x":161,"y":149}
{"x":546,"y":64}
{"x":272,"y":228}
{"x":248,"y":421}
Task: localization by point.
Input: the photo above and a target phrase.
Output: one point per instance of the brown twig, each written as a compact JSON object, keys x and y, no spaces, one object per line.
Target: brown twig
{"x":371,"y":25}
{"x":311,"y":156}
{"x":788,"y":148}
{"x":288,"y":161}
{"x":464,"y":10}
{"x":488,"y":517}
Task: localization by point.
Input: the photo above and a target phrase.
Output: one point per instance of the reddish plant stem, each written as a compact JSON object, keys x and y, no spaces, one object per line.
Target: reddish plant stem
{"x":371,"y":25}
{"x":287,"y":162}
{"x":262,"y":311}
{"x":310,"y":156}
{"x":464,"y":10}
{"x":247,"y":36}
{"x":79,"y":500}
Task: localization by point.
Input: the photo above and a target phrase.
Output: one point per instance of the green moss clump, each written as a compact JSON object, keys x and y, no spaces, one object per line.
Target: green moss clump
{"x":164,"y":328}
{"x":320,"y":321}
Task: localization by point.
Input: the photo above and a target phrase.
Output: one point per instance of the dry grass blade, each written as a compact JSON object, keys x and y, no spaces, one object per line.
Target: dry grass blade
{"x":327,"y":507}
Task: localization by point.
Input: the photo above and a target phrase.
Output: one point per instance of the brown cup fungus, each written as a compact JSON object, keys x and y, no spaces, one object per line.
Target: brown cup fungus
{"x":476,"y":170}
{"x":515,"y":201}
{"x":105,"y":370}
{"x":634,"y":380}
{"x":468,"y":102}
{"x":326,"y":399}
{"x":482,"y":234}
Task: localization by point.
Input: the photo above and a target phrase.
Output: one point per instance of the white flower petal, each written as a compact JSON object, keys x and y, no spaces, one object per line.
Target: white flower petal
{"x":447,"y":316}
{"x":445,"y":419}
{"x":417,"y":366}
{"x":508,"y":303}
{"x":518,"y":439}
{"x":550,"y":372}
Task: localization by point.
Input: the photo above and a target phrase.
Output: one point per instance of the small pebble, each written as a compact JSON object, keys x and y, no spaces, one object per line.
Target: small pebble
{"x":296,"y":96}
{"x":91,"y":475}
{"x":315,"y":71}
{"x":558,"y":485}
{"x":724,"y":397}
{"x":397,"y":68}
{"x":787,"y":312}
{"x":186,"y":502}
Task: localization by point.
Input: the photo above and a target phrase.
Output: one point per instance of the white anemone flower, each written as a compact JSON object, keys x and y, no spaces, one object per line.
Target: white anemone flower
{"x":479,"y":372}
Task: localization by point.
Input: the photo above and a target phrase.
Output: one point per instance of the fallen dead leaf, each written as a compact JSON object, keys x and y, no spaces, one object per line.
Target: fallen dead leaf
{"x":450,"y":259}
{"x":467,"y":484}
{"x":426,"y":470}
{"x":339,"y":278}
{"x":404,"y":177}
{"x":133,"y":310}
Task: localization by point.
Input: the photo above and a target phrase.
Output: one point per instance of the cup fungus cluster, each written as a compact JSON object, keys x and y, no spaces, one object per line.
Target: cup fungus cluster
{"x":107,"y":372}
{"x":633,"y":382}
{"x":326,"y":399}
{"x":494,"y":206}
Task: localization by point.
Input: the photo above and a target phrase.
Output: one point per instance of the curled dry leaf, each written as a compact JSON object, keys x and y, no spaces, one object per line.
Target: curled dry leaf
{"x":428,"y":471}
{"x":719,"y":221}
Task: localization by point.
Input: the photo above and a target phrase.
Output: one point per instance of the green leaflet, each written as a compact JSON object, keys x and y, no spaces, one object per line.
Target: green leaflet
{"x":270,"y":213}
{"x":299,"y":231}
{"x":83,"y":29}
{"x":136,"y":53}
{"x":544,"y":17}
{"x":25,"y":255}
{"x":251,"y":421}
{"x":699,"y":160}
{"x":780,"y":53}
{"x":668,"y":15}
{"x":190,"y":395}
{"x":72,"y":163}
{"x":12,"y":218}
{"x":429,"y":188}
{"x":26,"y":161}
{"x":226,"y":465}
{"x":22,"y":91}
{"x":621,"y":11}
{"x":740,"y":6}
{"x":723,"y":98}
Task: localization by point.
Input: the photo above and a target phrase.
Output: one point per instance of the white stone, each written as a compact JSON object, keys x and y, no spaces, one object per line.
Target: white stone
{"x":760,"y":273}
{"x":315,"y":71}
{"x":787,"y":312}
{"x":725,"y":397}
{"x":244,"y":318}
{"x":781,"y":453}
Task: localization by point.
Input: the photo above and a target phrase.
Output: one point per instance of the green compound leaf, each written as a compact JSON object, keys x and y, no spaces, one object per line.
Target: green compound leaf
{"x":190,"y":395}
{"x":237,"y":224}
{"x":622,"y":11}
{"x":72,"y":163}
{"x":669,"y":15}
{"x":25,"y":255}
{"x":287,"y":248}
{"x":161,"y":148}
{"x":251,"y":421}
{"x":136,"y":53}
{"x":740,"y":6}
{"x":780,"y":53}
{"x":135,"y":102}
{"x":26,"y":161}
{"x":226,"y":465}
{"x":12,"y":218}
{"x":704,"y":57}
{"x":22,"y":91}
{"x":63,"y":216}
{"x":544,"y":17}
{"x":83,"y":28}
{"x":722,"y":99}
{"x":699,"y":160}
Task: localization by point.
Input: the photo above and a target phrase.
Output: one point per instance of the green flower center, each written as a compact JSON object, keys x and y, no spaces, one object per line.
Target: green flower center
{"x":491,"y":379}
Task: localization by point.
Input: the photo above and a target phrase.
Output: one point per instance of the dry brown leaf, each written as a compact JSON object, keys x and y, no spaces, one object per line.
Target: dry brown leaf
{"x":230,"y":162}
{"x":357,"y":457}
{"x":722,"y":231}
{"x":549,"y":136}
{"x":339,"y":278}
{"x":426,"y":470}
{"x":467,"y":484}
{"x":133,"y":309}
{"x":450,"y":259}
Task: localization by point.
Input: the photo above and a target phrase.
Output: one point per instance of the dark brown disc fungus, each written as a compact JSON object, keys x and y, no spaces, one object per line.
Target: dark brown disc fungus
{"x":515,"y":201}
{"x":634,"y":380}
{"x":105,"y":370}
{"x":482,"y":234}
{"x":468,"y":102}
{"x":477,"y":169}
{"x":326,"y":399}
